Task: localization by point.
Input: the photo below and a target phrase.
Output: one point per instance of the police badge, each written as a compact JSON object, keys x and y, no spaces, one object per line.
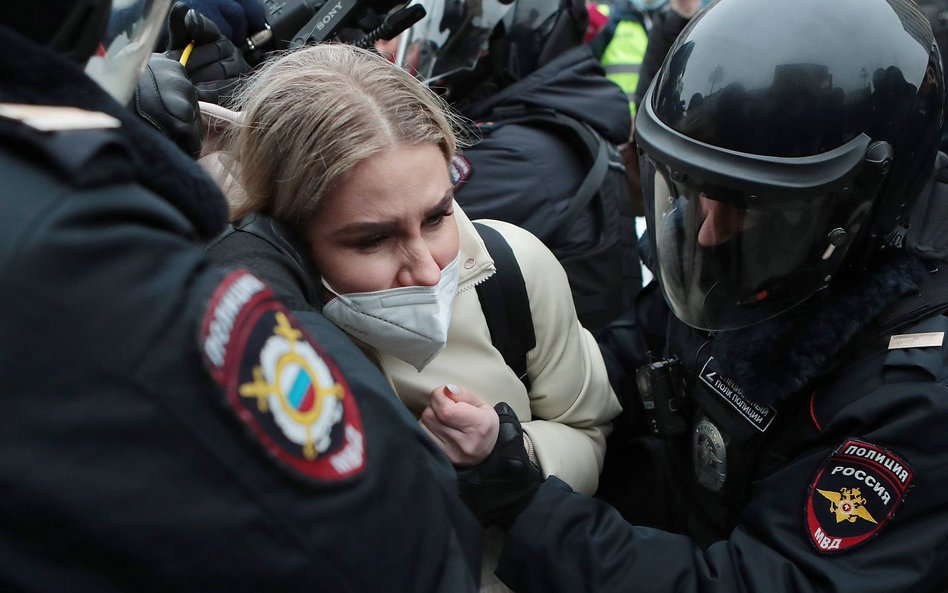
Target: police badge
{"x":855,"y":492}
{"x":710,"y":455}
{"x":280,"y":383}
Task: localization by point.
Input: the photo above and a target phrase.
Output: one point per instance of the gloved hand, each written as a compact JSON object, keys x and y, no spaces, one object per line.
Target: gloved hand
{"x":214,"y":64}
{"x":166,"y":98}
{"x":498,"y":488}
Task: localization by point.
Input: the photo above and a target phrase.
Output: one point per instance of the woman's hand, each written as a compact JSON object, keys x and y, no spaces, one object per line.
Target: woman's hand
{"x":464,"y":426}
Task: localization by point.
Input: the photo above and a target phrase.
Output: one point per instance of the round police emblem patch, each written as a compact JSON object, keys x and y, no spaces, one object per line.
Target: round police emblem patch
{"x":460,"y":170}
{"x":280,"y":383}
{"x":710,"y":455}
{"x":853,"y":495}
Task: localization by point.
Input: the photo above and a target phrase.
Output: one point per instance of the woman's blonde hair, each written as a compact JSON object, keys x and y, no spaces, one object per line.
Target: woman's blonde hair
{"x":312,"y":114}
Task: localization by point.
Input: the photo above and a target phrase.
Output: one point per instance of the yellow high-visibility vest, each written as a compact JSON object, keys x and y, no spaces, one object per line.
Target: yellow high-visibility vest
{"x":622,"y":58}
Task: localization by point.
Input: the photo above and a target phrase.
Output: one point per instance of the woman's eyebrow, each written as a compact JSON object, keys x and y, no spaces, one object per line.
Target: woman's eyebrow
{"x":442,"y":205}
{"x":359,"y":228}
{"x":391,"y":226}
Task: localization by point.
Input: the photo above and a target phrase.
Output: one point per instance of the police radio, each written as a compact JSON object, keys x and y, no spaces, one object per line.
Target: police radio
{"x":662,"y":392}
{"x":294,"y":23}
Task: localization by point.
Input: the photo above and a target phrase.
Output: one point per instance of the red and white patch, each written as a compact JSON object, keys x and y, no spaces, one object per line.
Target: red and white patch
{"x":855,"y":492}
{"x":280,"y":382}
{"x":460,"y":170}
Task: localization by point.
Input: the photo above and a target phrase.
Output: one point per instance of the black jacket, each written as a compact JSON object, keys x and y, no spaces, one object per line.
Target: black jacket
{"x":813,"y":459}
{"x":148,"y":442}
{"x":528,"y":175}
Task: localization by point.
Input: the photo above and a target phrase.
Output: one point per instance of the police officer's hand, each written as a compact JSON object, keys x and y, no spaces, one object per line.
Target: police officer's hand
{"x":498,"y":488}
{"x":213,"y":62}
{"x":464,"y":426}
{"x":166,"y":98}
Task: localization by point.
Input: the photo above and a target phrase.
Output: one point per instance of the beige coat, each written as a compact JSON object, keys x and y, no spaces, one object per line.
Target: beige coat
{"x":567,"y":412}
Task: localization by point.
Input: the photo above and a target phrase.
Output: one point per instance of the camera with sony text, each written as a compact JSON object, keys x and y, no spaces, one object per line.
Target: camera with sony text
{"x":294,"y":23}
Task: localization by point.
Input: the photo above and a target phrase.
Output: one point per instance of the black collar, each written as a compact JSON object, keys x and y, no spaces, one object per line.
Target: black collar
{"x":775,"y":359}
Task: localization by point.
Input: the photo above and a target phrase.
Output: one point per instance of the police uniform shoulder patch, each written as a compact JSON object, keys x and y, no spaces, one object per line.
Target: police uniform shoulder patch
{"x":281,"y":384}
{"x":460,"y":171}
{"x":855,"y":492}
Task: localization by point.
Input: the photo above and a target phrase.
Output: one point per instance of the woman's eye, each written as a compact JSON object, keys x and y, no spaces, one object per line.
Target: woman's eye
{"x":436,"y":219}
{"x":372,"y":242}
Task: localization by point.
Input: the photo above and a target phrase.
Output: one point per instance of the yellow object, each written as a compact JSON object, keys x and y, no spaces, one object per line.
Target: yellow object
{"x":186,"y":53}
{"x":623,"y":57}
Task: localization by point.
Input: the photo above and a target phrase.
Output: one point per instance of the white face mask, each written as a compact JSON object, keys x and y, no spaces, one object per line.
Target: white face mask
{"x":409,"y":323}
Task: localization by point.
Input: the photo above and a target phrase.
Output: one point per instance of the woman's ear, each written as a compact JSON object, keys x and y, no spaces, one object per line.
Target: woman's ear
{"x":218,"y":122}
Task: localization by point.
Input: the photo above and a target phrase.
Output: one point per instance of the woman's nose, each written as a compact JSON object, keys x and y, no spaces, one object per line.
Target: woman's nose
{"x":419,"y":269}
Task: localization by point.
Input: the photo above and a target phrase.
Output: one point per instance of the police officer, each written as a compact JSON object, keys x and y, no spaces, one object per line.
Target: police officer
{"x":509,"y":65}
{"x":167,"y":426}
{"x":799,"y":402}
{"x":622,"y":42}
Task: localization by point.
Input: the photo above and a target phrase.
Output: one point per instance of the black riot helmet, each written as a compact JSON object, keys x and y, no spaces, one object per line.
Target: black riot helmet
{"x":72,"y":28}
{"x":784,"y":143}
{"x":461,"y":45}
{"x":112,"y":38}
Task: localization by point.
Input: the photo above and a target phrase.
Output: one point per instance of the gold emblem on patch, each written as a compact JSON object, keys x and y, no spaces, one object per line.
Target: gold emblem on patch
{"x":848,"y":504}
{"x":297,"y":387}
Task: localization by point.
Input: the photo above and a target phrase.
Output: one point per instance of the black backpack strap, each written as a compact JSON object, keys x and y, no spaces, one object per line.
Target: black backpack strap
{"x":594,"y":146}
{"x":506,"y":304}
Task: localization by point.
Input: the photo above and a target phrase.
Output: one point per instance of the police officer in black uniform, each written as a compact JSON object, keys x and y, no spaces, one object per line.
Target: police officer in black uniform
{"x":800,"y":399}
{"x":167,"y":426}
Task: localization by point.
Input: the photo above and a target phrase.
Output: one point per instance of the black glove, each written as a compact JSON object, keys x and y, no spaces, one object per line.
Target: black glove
{"x":498,"y":488}
{"x":166,"y":98}
{"x":215,"y":64}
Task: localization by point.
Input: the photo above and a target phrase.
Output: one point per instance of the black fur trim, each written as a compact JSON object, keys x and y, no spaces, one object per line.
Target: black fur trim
{"x":777,"y":358}
{"x":35,"y":75}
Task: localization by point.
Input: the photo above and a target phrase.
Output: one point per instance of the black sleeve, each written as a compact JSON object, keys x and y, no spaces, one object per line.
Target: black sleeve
{"x":566,"y":542}
{"x":287,"y":279}
{"x":127,"y":465}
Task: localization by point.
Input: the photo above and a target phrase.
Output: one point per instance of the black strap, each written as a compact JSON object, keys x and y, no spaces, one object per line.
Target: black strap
{"x":593,"y":143}
{"x":506,"y":304}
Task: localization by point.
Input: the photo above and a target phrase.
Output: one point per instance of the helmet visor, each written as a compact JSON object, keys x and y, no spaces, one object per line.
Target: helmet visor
{"x":729,"y":259}
{"x":134,"y":27}
{"x":453,"y":36}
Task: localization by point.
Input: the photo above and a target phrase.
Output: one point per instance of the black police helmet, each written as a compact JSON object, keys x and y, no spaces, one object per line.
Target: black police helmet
{"x":462,"y":45}
{"x":784,"y":143}
{"x":73,"y":28}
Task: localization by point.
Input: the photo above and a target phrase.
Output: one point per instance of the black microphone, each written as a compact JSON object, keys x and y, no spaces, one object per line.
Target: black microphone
{"x":394,"y":24}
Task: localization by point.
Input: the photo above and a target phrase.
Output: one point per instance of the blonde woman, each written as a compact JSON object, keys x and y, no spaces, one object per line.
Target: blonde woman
{"x":346,"y":205}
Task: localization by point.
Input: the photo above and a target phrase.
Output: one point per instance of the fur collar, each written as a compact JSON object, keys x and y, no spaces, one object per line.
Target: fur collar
{"x":775,"y":359}
{"x":35,"y":75}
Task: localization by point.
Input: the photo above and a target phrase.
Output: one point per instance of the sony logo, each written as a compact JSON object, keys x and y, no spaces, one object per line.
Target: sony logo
{"x":325,"y":20}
